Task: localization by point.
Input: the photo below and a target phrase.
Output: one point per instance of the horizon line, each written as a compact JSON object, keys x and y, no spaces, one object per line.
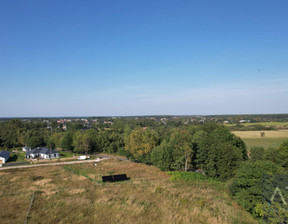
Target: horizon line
{"x":157,"y":115}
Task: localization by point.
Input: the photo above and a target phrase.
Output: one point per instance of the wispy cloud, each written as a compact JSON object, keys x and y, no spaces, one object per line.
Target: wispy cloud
{"x":278,"y":80}
{"x":254,"y":98}
{"x":234,"y":98}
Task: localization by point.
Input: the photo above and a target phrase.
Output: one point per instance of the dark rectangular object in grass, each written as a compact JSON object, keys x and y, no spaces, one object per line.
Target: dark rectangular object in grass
{"x":107,"y":178}
{"x":120,"y":177}
{"x":114,"y":178}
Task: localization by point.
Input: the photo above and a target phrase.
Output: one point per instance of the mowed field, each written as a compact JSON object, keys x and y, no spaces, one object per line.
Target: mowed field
{"x":271,"y":138}
{"x":267,"y":124}
{"x":75,"y":194}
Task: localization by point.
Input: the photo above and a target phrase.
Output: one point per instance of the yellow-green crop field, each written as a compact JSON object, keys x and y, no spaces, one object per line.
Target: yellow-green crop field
{"x":271,"y":138}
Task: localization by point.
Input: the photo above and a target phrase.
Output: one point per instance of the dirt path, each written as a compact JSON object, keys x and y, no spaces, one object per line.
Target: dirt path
{"x":54,"y":164}
{"x":108,"y":156}
{"x":67,"y":163}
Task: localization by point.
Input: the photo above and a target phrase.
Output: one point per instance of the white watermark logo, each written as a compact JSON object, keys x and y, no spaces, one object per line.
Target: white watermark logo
{"x":278,"y":191}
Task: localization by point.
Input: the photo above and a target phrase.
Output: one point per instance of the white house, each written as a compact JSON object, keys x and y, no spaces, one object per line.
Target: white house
{"x":4,"y":156}
{"x":42,"y":153}
{"x":26,"y":149}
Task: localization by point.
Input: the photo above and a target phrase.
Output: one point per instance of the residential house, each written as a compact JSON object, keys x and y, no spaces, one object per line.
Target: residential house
{"x":4,"y":156}
{"x":42,"y":153}
{"x":26,"y":149}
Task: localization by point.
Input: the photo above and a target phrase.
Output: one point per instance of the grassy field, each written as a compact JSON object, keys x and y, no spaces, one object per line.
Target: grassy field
{"x":267,"y":124}
{"x":272,"y":138}
{"x":66,"y":154}
{"x":17,"y":157}
{"x":75,"y":194}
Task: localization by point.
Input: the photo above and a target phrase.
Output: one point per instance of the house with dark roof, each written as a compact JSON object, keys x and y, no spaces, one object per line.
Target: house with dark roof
{"x":42,"y":153}
{"x":4,"y":156}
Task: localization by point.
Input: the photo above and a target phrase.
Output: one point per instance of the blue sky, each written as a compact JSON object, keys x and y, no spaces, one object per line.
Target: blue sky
{"x":95,"y":58}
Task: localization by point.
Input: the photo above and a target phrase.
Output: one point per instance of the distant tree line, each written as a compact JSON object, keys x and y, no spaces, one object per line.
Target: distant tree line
{"x":251,"y":127}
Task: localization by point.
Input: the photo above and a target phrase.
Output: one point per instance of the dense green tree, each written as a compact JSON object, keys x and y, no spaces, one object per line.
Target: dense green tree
{"x":210,"y":147}
{"x":11,"y":133}
{"x":35,"y":141}
{"x":163,"y":156}
{"x":273,"y":213}
{"x":103,"y":141}
{"x":141,"y":142}
{"x":257,"y":153}
{"x":218,"y":151}
{"x":74,"y":127}
{"x":116,"y":142}
{"x":278,"y":155}
{"x":67,"y":141}
{"x":271,"y":154}
{"x":127,"y":131}
{"x":283,"y":154}
{"x":56,"y":137}
{"x":247,"y":185}
{"x":82,"y":142}
{"x":181,"y":142}
{"x":85,"y":141}
{"x":51,"y":144}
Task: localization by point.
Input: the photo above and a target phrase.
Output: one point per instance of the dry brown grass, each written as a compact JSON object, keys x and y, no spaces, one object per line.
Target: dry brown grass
{"x":77,"y":191}
{"x":148,"y":197}
{"x":257,"y":134}
{"x":271,"y":139}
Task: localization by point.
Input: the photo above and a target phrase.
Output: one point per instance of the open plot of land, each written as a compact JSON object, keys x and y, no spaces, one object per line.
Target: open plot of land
{"x":271,"y":138}
{"x":17,"y":157}
{"x":267,"y":124}
{"x":75,"y":194}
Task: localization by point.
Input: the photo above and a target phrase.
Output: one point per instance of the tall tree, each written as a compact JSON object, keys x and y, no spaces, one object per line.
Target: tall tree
{"x":141,"y":142}
{"x":181,"y":142}
{"x":67,"y":141}
{"x":81,"y":142}
{"x":163,"y":156}
{"x":35,"y":141}
{"x":51,"y":145}
{"x":219,"y":152}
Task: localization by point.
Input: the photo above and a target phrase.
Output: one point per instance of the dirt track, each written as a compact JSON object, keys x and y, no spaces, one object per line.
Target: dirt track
{"x":53,"y":164}
{"x":66,"y":163}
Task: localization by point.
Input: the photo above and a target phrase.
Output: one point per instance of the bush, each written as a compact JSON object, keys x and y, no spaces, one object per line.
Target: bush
{"x":246,"y":186}
{"x":257,"y":153}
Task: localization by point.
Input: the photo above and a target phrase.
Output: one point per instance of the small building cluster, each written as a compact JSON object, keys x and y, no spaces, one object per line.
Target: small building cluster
{"x":38,"y":153}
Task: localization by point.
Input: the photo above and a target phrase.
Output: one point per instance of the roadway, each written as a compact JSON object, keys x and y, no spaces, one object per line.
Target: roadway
{"x":104,"y":157}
